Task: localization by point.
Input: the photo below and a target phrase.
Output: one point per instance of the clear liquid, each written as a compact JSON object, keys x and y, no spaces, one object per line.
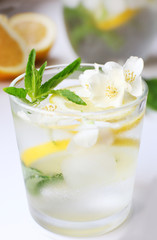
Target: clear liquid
{"x":79,"y":171}
{"x":97,"y":181}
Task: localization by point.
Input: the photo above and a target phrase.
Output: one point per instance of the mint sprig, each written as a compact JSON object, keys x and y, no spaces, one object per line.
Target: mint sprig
{"x":36,"y":91}
{"x":35,"y":180}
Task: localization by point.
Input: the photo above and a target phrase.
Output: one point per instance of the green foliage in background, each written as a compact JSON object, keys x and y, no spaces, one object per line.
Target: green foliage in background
{"x":152,"y":94}
{"x":81,"y":23}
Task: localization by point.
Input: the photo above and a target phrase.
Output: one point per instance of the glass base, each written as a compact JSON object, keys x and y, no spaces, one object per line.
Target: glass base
{"x":80,"y":229}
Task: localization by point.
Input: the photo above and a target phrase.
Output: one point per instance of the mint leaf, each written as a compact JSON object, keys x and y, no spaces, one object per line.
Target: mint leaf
{"x":17,"y":92}
{"x":71,"y":96}
{"x":38,"y":92}
{"x":58,"y":78}
{"x":41,"y":72}
{"x":35,"y":180}
{"x":152,"y":94}
{"x":20,"y":93}
{"x":30,"y":74}
{"x":33,"y":77}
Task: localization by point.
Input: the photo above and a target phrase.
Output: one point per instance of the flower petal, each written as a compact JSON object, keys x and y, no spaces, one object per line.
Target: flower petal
{"x":111,"y":65}
{"x":133,"y":68}
{"x":132,"y":71}
{"x":85,"y":78}
{"x":114,"y":85}
{"x":135,"y":89}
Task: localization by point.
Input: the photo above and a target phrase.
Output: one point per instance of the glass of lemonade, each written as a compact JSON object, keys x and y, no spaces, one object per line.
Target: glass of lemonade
{"x":78,"y":162}
{"x":110,"y":29}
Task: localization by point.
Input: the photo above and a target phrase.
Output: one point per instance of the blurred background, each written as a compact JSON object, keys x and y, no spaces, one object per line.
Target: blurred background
{"x":98,"y":31}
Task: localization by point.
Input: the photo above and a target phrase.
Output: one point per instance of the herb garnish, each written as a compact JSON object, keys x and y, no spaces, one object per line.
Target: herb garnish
{"x":37,"y":91}
{"x":35,"y":180}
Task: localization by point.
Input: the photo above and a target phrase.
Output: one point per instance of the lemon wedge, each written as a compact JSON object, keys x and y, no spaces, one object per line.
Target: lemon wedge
{"x":115,"y":22}
{"x":13,"y":51}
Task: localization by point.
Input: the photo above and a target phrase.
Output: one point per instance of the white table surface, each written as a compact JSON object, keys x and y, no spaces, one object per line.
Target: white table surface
{"x":15,"y":220}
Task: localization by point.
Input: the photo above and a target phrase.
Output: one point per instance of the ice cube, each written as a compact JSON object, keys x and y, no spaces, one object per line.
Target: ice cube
{"x":88,"y":167}
{"x":86,"y":138}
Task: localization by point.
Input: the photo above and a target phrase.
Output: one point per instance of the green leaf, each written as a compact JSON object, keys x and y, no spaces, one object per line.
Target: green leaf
{"x":17,"y":92}
{"x":35,"y":180}
{"x":33,"y":80}
{"x":152,"y":94}
{"x":71,"y":96}
{"x":30,"y":73}
{"x":58,"y":78}
{"x":41,"y":72}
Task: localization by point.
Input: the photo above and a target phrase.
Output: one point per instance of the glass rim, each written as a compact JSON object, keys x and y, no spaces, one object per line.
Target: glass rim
{"x":66,"y":113}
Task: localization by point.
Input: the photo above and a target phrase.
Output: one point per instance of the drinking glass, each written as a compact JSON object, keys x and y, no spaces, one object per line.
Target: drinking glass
{"x":101,"y":30}
{"x":78,"y":167}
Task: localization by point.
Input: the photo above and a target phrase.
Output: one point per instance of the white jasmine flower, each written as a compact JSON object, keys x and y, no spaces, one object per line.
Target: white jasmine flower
{"x":85,"y":78}
{"x":105,"y":89}
{"x":132,"y":71}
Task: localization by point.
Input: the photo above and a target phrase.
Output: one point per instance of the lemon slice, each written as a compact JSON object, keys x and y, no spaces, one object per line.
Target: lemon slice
{"x":117,"y":21}
{"x":13,"y":51}
{"x":35,"y":153}
{"x":62,"y":104}
{"x":37,"y":30}
{"x":129,"y":125}
{"x":126,"y":142}
{"x":114,"y":117}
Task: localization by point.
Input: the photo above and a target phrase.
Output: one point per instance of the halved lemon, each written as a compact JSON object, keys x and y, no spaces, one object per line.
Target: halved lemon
{"x":37,"y":30}
{"x":13,"y":51}
{"x":117,"y":21}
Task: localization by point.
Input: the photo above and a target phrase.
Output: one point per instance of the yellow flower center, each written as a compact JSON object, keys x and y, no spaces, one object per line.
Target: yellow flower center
{"x":130,"y":76}
{"x":111,"y":91}
{"x":87,"y":85}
